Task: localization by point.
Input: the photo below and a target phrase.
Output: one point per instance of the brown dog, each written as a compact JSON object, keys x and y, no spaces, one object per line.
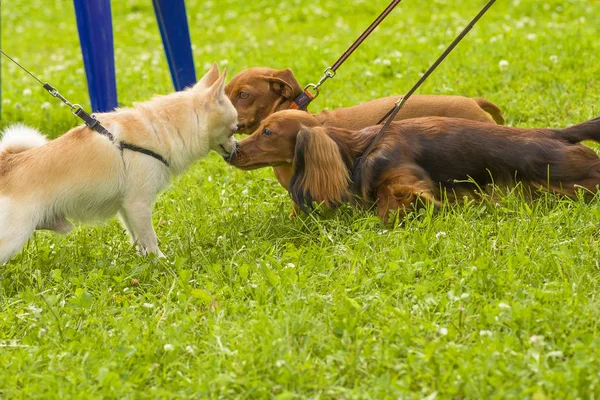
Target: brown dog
{"x":257,"y":93}
{"x":428,"y":158}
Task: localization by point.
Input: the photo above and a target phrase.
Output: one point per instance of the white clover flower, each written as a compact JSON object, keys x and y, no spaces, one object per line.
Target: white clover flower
{"x":531,"y":36}
{"x":190,"y":349}
{"x":536,"y":340}
{"x":168,"y":347}
{"x":440,"y":234}
{"x":554,"y":58}
{"x":504,"y":306}
{"x":279,"y":363}
{"x":484,"y":333}
{"x":503,"y":65}
{"x":443,"y":331}
{"x":148,"y":305}
{"x":46,"y":105}
{"x":27,"y":92}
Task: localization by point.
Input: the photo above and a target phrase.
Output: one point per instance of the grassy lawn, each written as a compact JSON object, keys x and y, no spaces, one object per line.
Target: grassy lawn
{"x":481,"y":300}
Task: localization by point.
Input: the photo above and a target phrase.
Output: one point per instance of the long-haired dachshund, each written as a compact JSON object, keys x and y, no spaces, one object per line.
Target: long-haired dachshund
{"x":258,"y":92}
{"x":428,"y":158}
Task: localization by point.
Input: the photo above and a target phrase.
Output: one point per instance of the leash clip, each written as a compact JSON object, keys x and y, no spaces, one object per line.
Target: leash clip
{"x":314,"y":87}
{"x":75,"y":108}
{"x":329,"y":73}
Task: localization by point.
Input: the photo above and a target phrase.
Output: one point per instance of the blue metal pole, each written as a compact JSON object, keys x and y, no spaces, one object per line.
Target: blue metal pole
{"x":173,"y":25}
{"x":94,"y":23}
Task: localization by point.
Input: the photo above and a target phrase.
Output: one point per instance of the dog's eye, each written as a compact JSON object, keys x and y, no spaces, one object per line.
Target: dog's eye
{"x":243,"y":95}
{"x":267,"y":132}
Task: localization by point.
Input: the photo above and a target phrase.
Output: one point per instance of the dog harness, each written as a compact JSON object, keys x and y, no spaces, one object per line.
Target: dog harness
{"x":94,"y":124}
{"x":90,"y":120}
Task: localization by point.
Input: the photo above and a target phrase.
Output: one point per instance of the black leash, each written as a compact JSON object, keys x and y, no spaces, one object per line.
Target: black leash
{"x":400,"y":103}
{"x":302,"y":101}
{"x":88,"y":119}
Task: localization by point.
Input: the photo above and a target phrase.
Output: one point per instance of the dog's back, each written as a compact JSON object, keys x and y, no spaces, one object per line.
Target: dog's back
{"x":458,"y":154}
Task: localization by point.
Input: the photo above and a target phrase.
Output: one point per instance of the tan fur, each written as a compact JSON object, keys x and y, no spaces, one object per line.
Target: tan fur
{"x":491,"y":108}
{"x":84,"y":176}
{"x":264,"y":98}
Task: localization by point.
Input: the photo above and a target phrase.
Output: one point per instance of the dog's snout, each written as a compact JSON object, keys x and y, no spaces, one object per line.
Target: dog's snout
{"x":240,"y":126}
{"x":234,"y":152}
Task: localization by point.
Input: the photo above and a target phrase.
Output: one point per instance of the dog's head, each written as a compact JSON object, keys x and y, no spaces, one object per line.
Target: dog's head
{"x":221,"y":116}
{"x":257,"y":93}
{"x":295,"y":138}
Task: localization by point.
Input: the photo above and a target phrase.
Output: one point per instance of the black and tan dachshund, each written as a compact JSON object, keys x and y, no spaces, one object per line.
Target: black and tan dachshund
{"x":426,"y":159}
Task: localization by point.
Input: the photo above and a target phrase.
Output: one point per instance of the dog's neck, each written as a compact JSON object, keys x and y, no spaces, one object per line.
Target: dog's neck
{"x":352,"y":144}
{"x":171,"y":126}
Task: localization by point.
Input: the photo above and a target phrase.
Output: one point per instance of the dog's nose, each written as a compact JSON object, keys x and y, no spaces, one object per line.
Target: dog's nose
{"x":240,"y":126}
{"x":229,"y":158}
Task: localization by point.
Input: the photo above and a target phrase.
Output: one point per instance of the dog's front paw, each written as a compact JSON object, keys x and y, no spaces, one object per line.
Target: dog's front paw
{"x":295,"y":211}
{"x":146,"y":251}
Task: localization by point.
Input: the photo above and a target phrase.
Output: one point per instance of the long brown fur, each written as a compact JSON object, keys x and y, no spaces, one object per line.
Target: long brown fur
{"x":319,"y":171}
{"x":421,"y":160}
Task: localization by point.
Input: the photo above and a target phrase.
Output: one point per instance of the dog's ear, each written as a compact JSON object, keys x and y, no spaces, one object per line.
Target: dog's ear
{"x":209,"y":78}
{"x":319,"y":171}
{"x":284,"y":83}
{"x":217,"y":89}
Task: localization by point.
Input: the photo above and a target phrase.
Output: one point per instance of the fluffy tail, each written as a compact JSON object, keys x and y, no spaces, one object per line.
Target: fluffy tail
{"x":588,"y":130}
{"x":491,"y":109}
{"x":17,"y":138}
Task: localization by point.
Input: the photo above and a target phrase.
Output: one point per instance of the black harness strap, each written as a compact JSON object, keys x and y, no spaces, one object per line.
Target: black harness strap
{"x":94,"y":124}
{"x":138,"y":149}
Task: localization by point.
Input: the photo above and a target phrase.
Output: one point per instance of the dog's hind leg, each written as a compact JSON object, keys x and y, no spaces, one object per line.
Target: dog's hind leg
{"x":404,"y":190}
{"x":137,"y":217}
{"x":16,"y":227}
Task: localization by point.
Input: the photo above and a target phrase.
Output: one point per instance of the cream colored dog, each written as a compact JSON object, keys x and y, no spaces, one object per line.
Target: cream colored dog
{"x":85,"y":176}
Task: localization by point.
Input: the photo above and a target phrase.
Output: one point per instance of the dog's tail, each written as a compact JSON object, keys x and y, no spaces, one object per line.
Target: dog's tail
{"x":17,"y":138}
{"x":588,"y":130}
{"x":491,"y":109}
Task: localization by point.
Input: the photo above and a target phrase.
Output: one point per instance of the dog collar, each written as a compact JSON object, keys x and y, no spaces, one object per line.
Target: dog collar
{"x":302,"y":101}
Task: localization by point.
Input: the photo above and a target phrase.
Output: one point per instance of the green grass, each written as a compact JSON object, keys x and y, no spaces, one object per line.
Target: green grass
{"x":481,"y":300}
